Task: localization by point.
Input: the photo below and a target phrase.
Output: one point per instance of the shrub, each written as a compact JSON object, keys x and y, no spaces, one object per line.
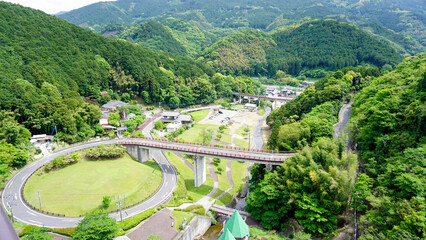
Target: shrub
{"x":106,"y":201}
{"x":138,"y":135}
{"x":64,"y":231}
{"x":197,"y":209}
{"x":216,"y":161}
{"x":62,"y":161}
{"x":106,"y":152}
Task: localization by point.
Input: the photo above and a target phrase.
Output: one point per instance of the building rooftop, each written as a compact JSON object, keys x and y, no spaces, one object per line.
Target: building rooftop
{"x":131,"y":115}
{"x":114,"y":104}
{"x":236,"y":226}
{"x":226,"y":235}
{"x":170,"y":114}
{"x":184,"y":118}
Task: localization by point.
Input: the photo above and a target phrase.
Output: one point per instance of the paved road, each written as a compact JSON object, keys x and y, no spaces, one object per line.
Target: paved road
{"x":344,"y":114}
{"x":25,"y":214}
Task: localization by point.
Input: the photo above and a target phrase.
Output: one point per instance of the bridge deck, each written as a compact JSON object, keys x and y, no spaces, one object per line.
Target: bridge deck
{"x":231,"y":153}
{"x":265,"y":97}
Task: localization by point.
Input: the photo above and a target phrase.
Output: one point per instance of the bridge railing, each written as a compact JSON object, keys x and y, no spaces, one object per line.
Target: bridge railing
{"x":253,"y":150}
{"x":183,"y":147}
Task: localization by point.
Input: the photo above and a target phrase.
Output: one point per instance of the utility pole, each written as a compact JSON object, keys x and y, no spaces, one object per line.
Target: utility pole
{"x":258,"y":97}
{"x":57,"y":139}
{"x":119,"y":208}
{"x":249,"y":140}
{"x":239,"y":94}
{"x":39,"y":199}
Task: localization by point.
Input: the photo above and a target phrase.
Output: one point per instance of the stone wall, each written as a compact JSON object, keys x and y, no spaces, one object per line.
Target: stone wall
{"x":197,"y":227}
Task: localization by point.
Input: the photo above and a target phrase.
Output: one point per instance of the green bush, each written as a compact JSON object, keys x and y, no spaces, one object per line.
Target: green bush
{"x":62,"y":161}
{"x":132,"y":222}
{"x":63,"y":231}
{"x":106,"y":152}
{"x":197,"y":209}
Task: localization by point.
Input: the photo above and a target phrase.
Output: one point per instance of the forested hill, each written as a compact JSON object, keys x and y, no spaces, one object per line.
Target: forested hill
{"x":318,"y":44}
{"x":46,"y":64}
{"x":406,"y":17}
{"x":154,"y":35}
{"x":388,"y":124}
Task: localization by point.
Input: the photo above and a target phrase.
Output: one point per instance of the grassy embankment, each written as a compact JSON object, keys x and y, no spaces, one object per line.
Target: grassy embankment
{"x":79,"y":188}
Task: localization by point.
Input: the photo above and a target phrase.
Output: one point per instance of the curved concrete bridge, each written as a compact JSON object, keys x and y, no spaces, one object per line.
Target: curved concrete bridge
{"x":140,"y":149}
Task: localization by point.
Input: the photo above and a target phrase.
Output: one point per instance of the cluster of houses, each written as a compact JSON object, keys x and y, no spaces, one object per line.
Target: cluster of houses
{"x":272,"y":91}
{"x":175,"y":120}
{"x":106,"y":110}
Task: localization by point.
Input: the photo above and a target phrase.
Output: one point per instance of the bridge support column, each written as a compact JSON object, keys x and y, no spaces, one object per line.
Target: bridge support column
{"x":140,"y":153}
{"x":199,"y":170}
{"x":268,"y":167}
{"x":144,"y":154}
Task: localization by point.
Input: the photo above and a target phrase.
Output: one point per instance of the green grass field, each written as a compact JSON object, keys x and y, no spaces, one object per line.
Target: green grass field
{"x":239,"y":172}
{"x":188,"y":176}
{"x":226,"y":138}
{"x":179,"y":216}
{"x":223,"y":180}
{"x":241,"y":131}
{"x":199,"y":115}
{"x":79,"y":188}
{"x":195,"y":133}
{"x":241,"y":143}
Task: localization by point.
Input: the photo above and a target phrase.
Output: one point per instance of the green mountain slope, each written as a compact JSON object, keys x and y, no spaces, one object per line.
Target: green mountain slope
{"x":405,"y":17}
{"x":170,"y":35}
{"x":318,"y":44}
{"x":388,"y":119}
{"x":155,"y":36}
{"x":46,"y":64}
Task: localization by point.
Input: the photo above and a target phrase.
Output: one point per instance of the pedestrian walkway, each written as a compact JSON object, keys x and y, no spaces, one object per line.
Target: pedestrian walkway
{"x":160,"y":224}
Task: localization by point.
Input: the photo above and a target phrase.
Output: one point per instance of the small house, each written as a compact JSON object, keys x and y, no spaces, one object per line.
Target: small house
{"x":40,"y":138}
{"x":169,"y":116}
{"x":107,"y":107}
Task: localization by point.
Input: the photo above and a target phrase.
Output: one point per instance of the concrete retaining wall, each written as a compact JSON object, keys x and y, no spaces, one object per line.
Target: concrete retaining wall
{"x":197,"y":227}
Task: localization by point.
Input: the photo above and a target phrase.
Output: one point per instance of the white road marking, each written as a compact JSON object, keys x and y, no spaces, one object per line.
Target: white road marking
{"x":31,"y":213}
{"x":11,"y":182}
{"x":24,"y":177}
{"x":35,"y":222}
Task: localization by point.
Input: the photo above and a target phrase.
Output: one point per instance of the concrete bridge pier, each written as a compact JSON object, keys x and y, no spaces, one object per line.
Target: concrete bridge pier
{"x":199,"y":170}
{"x":268,"y":167}
{"x":140,"y":153}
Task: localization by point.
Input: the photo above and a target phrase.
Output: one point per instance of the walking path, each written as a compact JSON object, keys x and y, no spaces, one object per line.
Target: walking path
{"x":160,"y":224}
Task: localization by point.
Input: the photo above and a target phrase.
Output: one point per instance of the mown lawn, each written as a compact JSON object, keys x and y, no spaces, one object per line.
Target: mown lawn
{"x":222,"y":179}
{"x":241,"y":143}
{"x":239,"y":172}
{"x":199,"y":115}
{"x":79,"y":188}
{"x":188,"y":175}
{"x":195,"y":134}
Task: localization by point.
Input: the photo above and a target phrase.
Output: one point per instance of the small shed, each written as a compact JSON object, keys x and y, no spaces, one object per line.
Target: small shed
{"x":169,"y":116}
{"x":40,"y":138}
{"x":184,"y":118}
{"x":250,"y":106}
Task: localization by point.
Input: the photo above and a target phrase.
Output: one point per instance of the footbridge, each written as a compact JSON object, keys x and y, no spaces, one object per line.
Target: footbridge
{"x":140,"y":149}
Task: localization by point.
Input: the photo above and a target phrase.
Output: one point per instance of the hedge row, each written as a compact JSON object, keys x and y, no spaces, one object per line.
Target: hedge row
{"x":132,"y":222}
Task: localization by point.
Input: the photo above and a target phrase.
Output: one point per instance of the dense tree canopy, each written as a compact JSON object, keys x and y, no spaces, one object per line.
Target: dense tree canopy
{"x":388,"y":124}
{"x":318,"y":44}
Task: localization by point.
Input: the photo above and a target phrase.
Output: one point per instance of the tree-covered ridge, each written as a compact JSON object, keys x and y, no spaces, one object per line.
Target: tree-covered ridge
{"x":388,"y":123}
{"x":170,"y":35}
{"x":403,"y":17}
{"x":308,"y":117}
{"x":240,"y":53}
{"x":155,"y":36}
{"x":318,"y":44}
